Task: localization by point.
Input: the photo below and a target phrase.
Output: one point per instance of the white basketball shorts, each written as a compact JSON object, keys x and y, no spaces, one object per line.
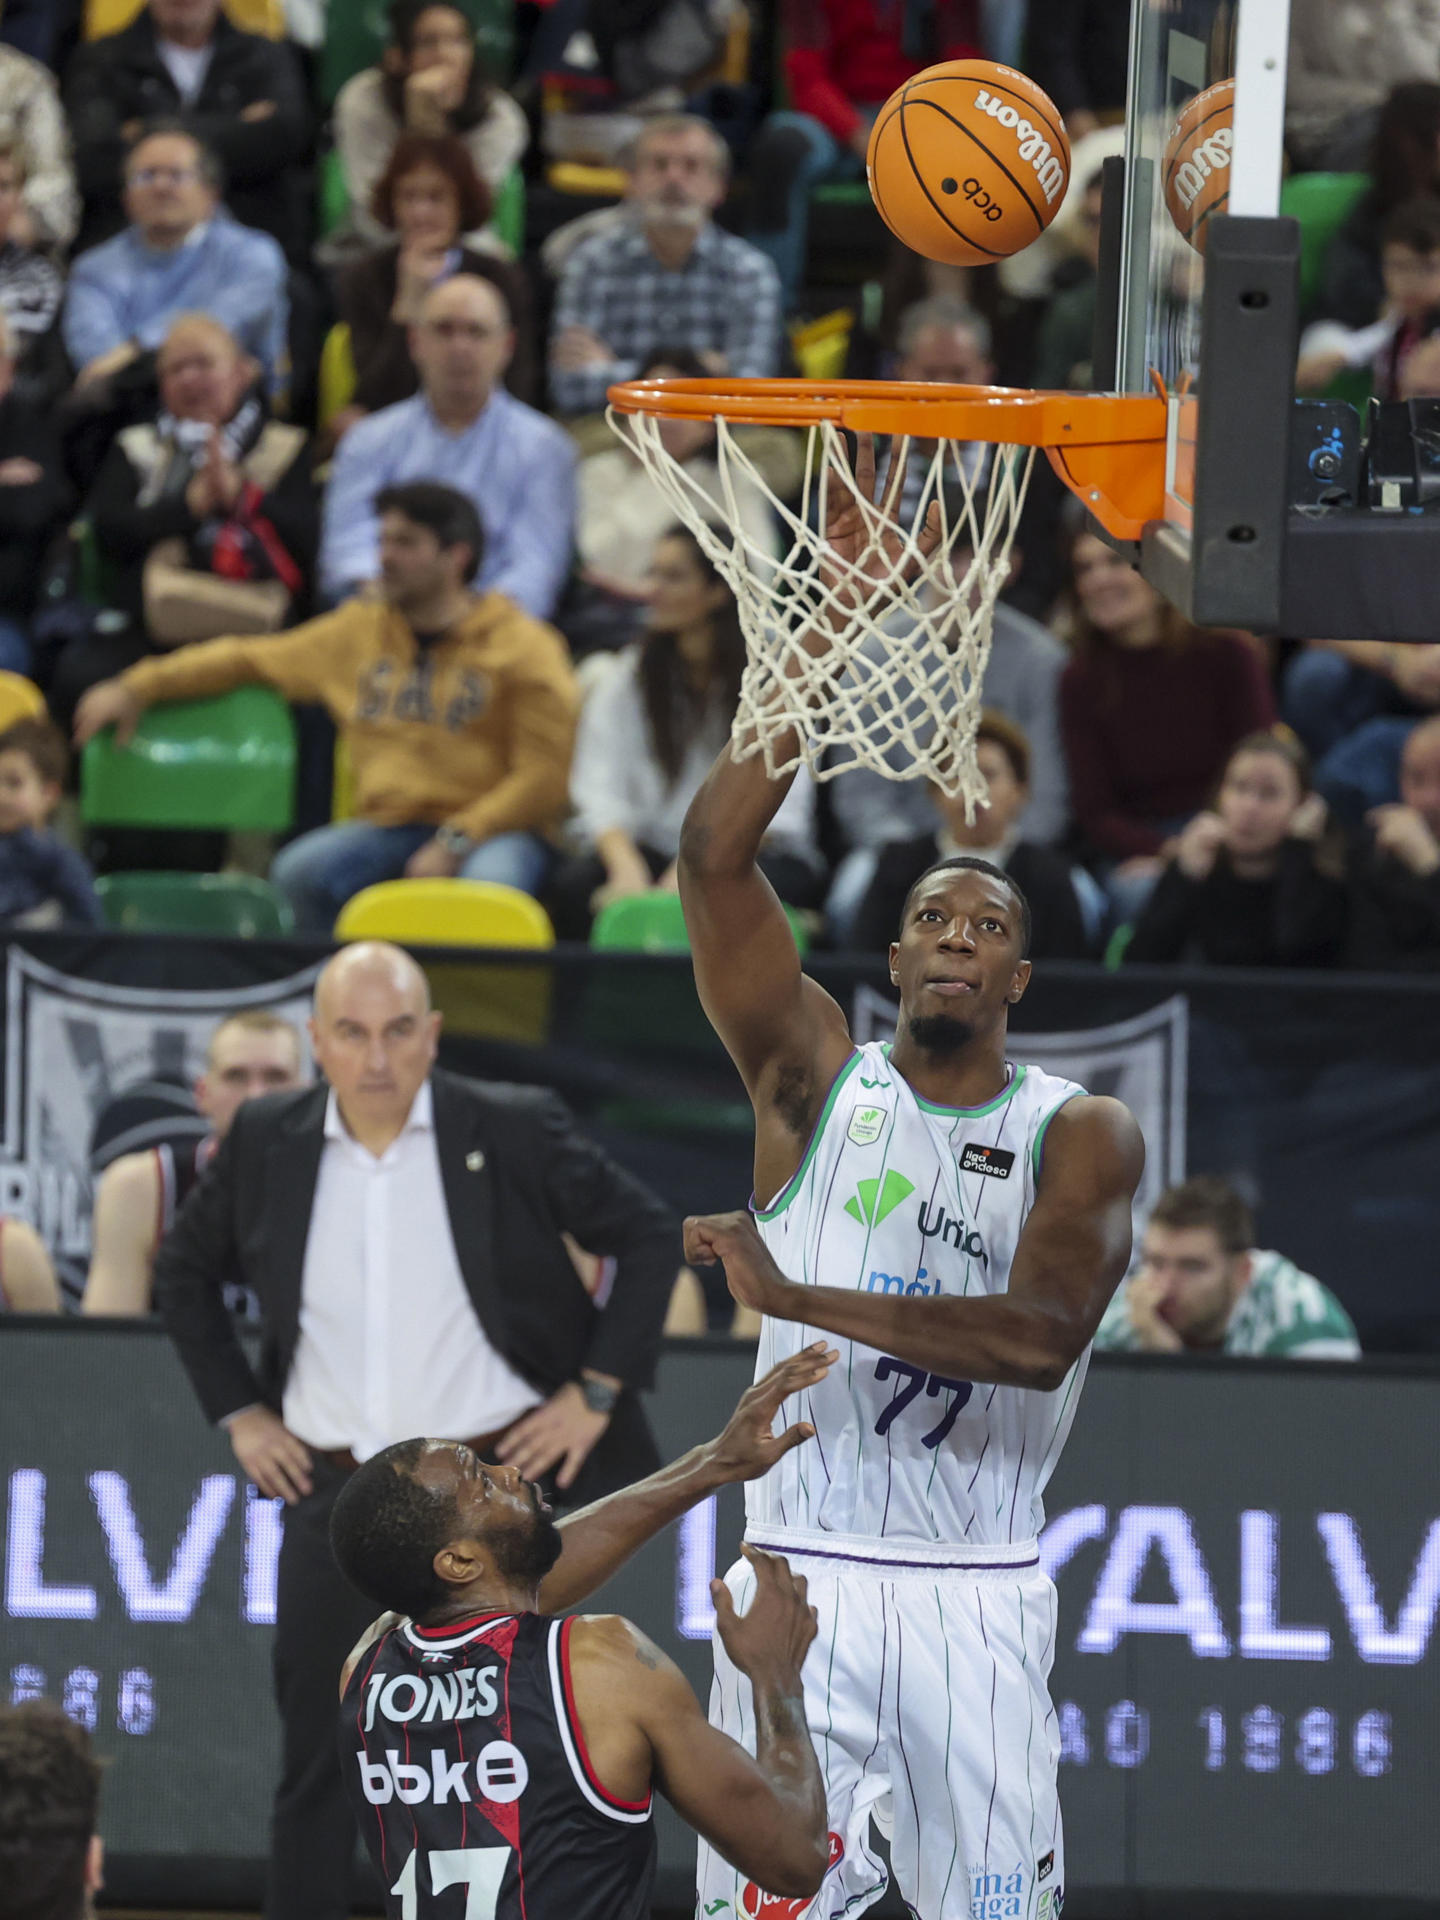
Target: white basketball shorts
{"x":926,"y":1695}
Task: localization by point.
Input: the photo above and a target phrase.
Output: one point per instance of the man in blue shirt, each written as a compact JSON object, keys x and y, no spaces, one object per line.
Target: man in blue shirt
{"x":464,"y":430}
{"x":181,"y":253}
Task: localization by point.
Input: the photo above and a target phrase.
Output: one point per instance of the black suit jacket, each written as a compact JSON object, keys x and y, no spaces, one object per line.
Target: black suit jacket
{"x":516,"y":1172}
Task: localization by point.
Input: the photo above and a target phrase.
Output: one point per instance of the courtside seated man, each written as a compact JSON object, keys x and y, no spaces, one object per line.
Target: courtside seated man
{"x":490,"y":1746}
{"x":958,"y":1224}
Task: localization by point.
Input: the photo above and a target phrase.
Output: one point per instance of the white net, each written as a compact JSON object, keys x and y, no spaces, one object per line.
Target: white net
{"x":866,"y":648}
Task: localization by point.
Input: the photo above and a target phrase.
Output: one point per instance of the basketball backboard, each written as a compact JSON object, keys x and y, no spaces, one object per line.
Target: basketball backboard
{"x":1269,"y":516}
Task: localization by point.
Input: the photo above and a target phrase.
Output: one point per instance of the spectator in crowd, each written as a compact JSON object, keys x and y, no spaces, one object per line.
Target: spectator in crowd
{"x":402,"y":1229}
{"x":1057,"y":921}
{"x":462,"y":428}
{"x":206,"y":515}
{"x":1150,"y":710}
{"x":1401,"y":345}
{"x":138,"y":1195}
{"x":31,"y":288}
{"x":41,"y":28}
{"x":43,"y":883}
{"x":34,"y":499}
{"x":1202,"y":1286}
{"x":1405,"y":162}
{"x":1395,"y":867}
{"x":457,"y":711}
{"x":241,"y":96}
{"x":1253,"y":881}
{"x":1079,"y":52}
{"x":427,"y":196}
{"x":1343,"y":61}
{"x":27,"y":1285}
{"x":51,"y":1854}
{"x":842,"y":59}
{"x":1353,"y":703}
{"x":665,"y":274}
{"x":649,"y":733}
{"x":942,"y":340}
{"x":622,"y":513}
{"x":429,"y":82}
{"x":181,"y":253}
{"x":34,"y":134}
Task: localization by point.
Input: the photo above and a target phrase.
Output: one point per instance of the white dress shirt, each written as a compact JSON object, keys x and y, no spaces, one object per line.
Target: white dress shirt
{"x":390,"y":1344}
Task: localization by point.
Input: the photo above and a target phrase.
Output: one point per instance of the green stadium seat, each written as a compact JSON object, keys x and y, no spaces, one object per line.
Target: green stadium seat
{"x":220,"y":765}
{"x":655,"y":923}
{"x":1321,"y":202}
{"x":234,"y":904}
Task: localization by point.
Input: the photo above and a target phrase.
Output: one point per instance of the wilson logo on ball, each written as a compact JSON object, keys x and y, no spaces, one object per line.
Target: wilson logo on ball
{"x":1051,"y":171}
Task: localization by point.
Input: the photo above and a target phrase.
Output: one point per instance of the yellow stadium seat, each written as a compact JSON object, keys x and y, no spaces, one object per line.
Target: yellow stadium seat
{"x":20,"y":699}
{"x":501,"y":1002}
{"x":446,"y":913}
{"x":252,"y":16}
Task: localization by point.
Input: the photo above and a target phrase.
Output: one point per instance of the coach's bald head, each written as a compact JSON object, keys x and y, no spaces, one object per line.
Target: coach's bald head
{"x":374,"y":1036}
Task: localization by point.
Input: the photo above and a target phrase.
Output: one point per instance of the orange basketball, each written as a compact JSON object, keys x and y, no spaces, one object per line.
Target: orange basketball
{"x":968,"y":162}
{"x":1196,"y":168}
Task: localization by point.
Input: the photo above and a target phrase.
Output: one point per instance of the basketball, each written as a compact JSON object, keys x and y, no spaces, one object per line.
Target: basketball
{"x":968,"y":162}
{"x":1196,"y":167}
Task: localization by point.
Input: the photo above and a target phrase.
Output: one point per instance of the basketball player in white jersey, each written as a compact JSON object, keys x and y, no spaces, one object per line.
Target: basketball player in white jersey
{"x":957,"y":1224}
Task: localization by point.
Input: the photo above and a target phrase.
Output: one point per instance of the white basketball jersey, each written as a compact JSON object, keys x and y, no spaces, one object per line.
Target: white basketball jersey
{"x":897,"y":1195}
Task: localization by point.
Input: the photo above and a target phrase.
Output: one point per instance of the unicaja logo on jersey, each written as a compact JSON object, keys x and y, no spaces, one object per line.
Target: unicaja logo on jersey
{"x":872,"y":1200}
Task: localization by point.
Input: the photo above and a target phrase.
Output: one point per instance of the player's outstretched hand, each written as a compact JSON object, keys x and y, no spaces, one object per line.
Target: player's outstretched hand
{"x":750,"y":1270}
{"x":770,"y":1639}
{"x":747,"y":1448}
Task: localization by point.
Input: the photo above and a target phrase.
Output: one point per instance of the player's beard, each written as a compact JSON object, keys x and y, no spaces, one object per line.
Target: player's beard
{"x":526,"y":1554}
{"x":941,"y":1033}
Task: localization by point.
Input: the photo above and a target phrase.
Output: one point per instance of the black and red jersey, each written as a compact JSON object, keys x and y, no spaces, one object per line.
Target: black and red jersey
{"x":463,"y":1756}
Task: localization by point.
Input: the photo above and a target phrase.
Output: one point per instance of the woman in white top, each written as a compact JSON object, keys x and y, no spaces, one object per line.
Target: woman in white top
{"x":649,"y":731}
{"x":428,"y":81}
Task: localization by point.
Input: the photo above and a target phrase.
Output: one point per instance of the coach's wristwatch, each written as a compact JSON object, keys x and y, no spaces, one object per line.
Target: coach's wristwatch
{"x":599,"y":1397}
{"x":452,"y":841}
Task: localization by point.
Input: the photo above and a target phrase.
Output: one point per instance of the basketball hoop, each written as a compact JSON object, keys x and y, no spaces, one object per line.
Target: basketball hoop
{"x":872,"y":652}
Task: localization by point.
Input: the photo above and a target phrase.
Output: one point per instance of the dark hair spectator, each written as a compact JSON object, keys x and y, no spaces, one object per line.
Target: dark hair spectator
{"x":1343,"y":61}
{"x":443,"y":511}
{"x":241,"y":94}
{"x":43,"y":882}
{"x":429,"y":194}
{"x":1405,"y":162}
{"x":1256,"y":880}
{"x":1395,"y":867}
{"x":429,"y":81}
{"x":650,"y":729}
{"x":1056,"y":919}
{"x":50,"y":1853}
{"x":1150,"y":709}
{"x":35,"y":497}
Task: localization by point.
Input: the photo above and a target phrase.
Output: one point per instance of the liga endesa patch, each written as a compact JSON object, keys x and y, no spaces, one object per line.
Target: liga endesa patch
{"x":996,"y":1161}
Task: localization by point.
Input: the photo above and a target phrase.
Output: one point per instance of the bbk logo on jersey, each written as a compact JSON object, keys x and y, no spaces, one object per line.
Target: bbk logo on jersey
{"x":500,"y":1771}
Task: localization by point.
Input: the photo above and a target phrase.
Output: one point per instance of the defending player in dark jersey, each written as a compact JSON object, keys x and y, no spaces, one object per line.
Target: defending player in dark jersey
{"x":502,"y":1761}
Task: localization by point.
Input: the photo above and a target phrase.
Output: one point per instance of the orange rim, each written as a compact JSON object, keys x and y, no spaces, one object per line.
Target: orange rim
{"x":1109,"y":449}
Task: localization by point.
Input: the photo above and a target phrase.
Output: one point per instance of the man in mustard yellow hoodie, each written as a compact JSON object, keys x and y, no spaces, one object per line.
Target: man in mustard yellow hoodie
{"x":457,"y":711}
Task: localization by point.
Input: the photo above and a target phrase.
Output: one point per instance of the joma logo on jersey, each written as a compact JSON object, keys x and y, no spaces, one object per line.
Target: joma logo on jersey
{"x":873,"y":1200}
{"x":465,"y":1695}
{"x":499,"y":1768}
{"x":952,"y":1231}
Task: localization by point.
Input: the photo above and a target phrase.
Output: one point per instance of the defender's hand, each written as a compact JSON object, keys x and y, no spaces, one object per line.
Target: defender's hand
{"x":747,"y":1447}
{"x":772,"y":1636}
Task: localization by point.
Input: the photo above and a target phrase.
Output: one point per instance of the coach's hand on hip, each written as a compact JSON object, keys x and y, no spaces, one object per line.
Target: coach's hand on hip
{"x":273,"y":1458}
{"x":561,"y":1429}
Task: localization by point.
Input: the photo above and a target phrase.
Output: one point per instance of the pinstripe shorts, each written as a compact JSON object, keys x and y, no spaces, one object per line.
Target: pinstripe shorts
{"x":926,"y":1694}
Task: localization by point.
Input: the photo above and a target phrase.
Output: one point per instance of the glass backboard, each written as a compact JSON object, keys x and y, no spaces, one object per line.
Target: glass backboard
{"x":1180,"y":50}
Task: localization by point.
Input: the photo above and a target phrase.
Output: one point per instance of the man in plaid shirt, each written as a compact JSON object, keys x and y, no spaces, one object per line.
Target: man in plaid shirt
{"x":665,"y":275}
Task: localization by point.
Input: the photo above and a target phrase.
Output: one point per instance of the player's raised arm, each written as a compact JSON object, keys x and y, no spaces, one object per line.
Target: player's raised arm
{"x":765,"y":1814}
{"x":1072,"y":1254}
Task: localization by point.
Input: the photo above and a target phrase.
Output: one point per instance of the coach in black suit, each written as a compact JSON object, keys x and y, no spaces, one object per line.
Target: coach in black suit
{"x":401,"y":1229}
